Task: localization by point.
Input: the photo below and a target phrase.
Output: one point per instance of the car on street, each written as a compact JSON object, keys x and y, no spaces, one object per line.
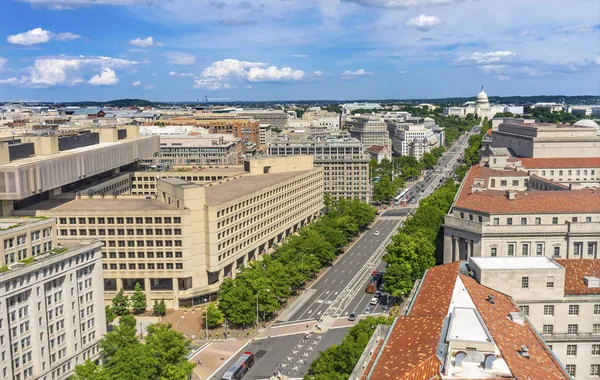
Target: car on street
{"x":367,"y":311}
{"x":376,"y":233}
{"x":352,"y":316}
{"x":374,"y":301}
{"x":377,"y":294}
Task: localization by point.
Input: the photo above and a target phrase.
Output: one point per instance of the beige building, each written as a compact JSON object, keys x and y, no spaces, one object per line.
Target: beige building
{"x":369,"y":130}
{"x":543,"y":140}
{"x":180,"y":243}
{"x":145,"y":182}
{"x":503,"y":209}
{"x":51,"y":301}
{"x":560,"y":298}
{"x":201,"y":150}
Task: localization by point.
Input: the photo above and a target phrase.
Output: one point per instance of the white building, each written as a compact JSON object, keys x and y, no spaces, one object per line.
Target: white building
{"x":51,"y":302}
{"x":369,"y":130}
{"x":414,"y":140}
{"x":560,"y":298}
{"x":481,"y":108}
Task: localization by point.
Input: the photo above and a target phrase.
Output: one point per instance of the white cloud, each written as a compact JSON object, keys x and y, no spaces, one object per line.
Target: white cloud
{"x":580,"y":28}
{"x":318,"y":73}
{"x":399,"y":3}
{"x":107,"y":78}
{"x":150,"y":87}
{"x":597,"y":60}
{"x":175,"y":74}
{"x":299,"y":55}
{"x":12,"y":80}
{"x":422,"y":22}
{"x":402,"y":72}
{"x":32,"y":37}
{"x":145,"y":42}
{"x":2,"y":63}
{"x":349,"y":74}
{"x":220,"y":73}
{"x":493,"y":56}
{"x":503,"y":77}
{"x":39,"y":36}
{"x":63,"y":70}
{"x":181,"y":59}
{"x":70,"y":4}
{"x":136,"y":83}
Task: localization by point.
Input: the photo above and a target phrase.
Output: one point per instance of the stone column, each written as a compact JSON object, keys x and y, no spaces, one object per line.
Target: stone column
{"x":175,"y":294}
{"x":456,"y":251}
{"x":469,"y":248}
{"x":119,"y":282}
{"x":147,"y":287}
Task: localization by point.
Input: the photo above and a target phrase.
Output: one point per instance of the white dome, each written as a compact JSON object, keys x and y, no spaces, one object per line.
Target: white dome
{"x":482,"y":97}
{"x":587,"y":123}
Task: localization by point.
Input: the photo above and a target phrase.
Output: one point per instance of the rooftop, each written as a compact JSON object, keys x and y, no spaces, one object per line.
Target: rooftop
{"x":121,"y":203}
{"x":575,"y":271}
{"x":514,"y":263}
{"x":17,"y":221}
{"x":560,"y":163}
{"x":227,"y":190}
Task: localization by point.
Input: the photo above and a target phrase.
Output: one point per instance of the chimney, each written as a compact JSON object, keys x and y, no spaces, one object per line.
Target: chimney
{"x":524,"y":351}
{"x":511,"y":195}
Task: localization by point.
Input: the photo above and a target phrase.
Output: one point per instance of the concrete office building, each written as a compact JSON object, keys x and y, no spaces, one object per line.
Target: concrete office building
{"x":345,"y":163}
{"x":369,"y":130}
{"x":51,"y":302}
{"x":543,"y":140}
{"x":200,"y":150}
{"x":146,"y":182}
{"x":182,"y":242}
{"x":560,"y":298}
{"x":276,"y":118}
{"x":453,"y":327}
{"x":504,"y":207}
{"x":414,"y":140}
{"x":247,"y":130}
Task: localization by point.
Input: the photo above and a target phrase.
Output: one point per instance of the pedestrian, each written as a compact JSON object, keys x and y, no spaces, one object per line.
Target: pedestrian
{"x":199,"y":362}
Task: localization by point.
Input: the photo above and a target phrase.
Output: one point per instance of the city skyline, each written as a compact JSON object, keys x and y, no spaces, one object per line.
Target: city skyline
{"x":282,"y":50}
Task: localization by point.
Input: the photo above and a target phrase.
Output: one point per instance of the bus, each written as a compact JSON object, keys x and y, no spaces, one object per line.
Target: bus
{"x":400,"y":196}
{"x":240,"y":367}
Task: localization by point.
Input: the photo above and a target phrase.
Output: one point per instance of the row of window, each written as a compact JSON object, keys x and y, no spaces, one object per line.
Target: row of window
{"x":121,"y":232}
{"x":594,"y":370}
{"x":142,"y":266}
{"x":141,"y":255}
{"x":188,"y":178}
{"x":22,"y":239}
{"x":570,"y":172}
{"x":572,"y":329}
{"x":549,"y":309}
{"x":537,"y":220}
{"x":122,"y":220}
{"x":540,"y":250}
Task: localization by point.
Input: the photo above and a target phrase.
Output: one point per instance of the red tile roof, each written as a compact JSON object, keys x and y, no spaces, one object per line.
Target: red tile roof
{"x":510,"y":336}
{"x":560,"y":163}
{"x":410,"y":348}
{"x":575,"y":271}
{"x":435,"y":291}
{"x":532,"y":202}
{"x":378,"y":149}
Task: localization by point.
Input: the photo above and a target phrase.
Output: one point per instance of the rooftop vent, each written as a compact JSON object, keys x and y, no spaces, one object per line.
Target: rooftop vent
{"x":511,"y":195}
{"x":524,"y":351}
{"x":490,"y":299}
{"x":591,"y":281}
{"x":517,"y":317}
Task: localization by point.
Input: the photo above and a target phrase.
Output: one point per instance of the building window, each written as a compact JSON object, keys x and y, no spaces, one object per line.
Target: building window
{"x":588,"y":219}
{"x":496,"y":221}
{"x":556,"y":251}
{"x":573,"y":309}
{"x":570,"y":369}
{"x":524,"y":309}
{"x":591,"y":248}
{"x":596,"y":329}
{"x":549,"y":310}
{"x":525,"y":282}
{"x":571,"y":350}
{"x":577,"y":249}
{"x":493,"y":252}
{"x":525,"y":249}
{"x":548,"y":329}
{"x":550,"y":282}
{"x":573,"y":329}
{"x":539,"y":249}
{"x":511,"y":249}
{"x":509,"y":221}
{"x":538,"y":220}
{"x":515,"y":182}
{"x":503,"y":183}
{"x":574,"y":219}
{"x":523,"y":221}
{"x":596,"y":349}
{"x":554,"y":220}
{"x":596,"y":309}
{"x":595,"y":370}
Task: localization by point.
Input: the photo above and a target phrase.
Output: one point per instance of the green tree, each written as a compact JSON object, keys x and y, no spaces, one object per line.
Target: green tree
{"x":160,"y":308}
{"x":429,"y":160}
{"x":236,"y":301}
{"x":383,"y":190}
{"x":110,"y":315}
{"x":138,"y":299}
{"x":120,"y":304}
{"x":88,"y":371}
{"x":168,"y":349}
{"x":123,"y":335}
{"x":461,"y":171}
{"x":213,"y":315}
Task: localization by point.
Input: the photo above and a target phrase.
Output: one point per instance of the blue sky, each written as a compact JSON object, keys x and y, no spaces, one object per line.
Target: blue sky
{"x":65,"y":50}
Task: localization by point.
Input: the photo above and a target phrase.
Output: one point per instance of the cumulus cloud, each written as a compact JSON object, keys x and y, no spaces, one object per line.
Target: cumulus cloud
{"x":40,"y":36}
{"x":399,"y":3}
{"x":12,"y":80}
{"x":67,"y":71}
{"x":176,"y":74}
{"x":422,"y":22}
{"x":145,"y":42}
{"x":221,"y":73}
{"x":181,"y":59}
{"x":493,"y":56}
{"x":108,"y":77}
{"x":70,"y":4}
{"x":349,"y":74}
{"x":136,"y":83}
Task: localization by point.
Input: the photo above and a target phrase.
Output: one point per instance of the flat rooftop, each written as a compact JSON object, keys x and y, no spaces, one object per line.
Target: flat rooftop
{"x":15,"y":221}
{"x":218,"y":193}
{"x":229,"y":170}
{"x":514,"y":263}
{"x":121,"y":203}
{"x":467,"y":325}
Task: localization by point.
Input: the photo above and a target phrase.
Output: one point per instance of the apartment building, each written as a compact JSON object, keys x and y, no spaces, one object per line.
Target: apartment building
{"x":454,"y":327}
{"x":200,"y":150}
{"x":51,"y":301}
{"x":247,"y":130}
{"x":544,"y":140}
{"x":344,"y":161}
{"x":561,"y":299}
{"x":181,"y":242}
{"x":369,"y":130}
{"x":502,"y":209}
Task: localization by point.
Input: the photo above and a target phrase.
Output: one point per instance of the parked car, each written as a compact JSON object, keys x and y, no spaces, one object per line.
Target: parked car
{"x":377,"y":294}
{"x":367,"y":311}
{"x":352,"y":316}
{"x":374,"y":301}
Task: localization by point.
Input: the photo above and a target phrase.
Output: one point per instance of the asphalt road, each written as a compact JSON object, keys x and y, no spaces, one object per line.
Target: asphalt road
{"x":292,"y":353}
{"x":341,"y":290}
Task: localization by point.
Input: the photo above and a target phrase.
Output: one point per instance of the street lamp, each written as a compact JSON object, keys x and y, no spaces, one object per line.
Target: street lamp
{"x":257,"y":293}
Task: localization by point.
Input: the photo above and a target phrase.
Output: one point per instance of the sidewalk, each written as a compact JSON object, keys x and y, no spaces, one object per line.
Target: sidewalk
{"x":213,"y":357}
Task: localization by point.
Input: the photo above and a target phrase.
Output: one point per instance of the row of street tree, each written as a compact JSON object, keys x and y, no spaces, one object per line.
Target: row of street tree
{"x":137,"y":303}
{"x":271,"y":281}
{"x":338,"y":361}
{"x":124,"y":357}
